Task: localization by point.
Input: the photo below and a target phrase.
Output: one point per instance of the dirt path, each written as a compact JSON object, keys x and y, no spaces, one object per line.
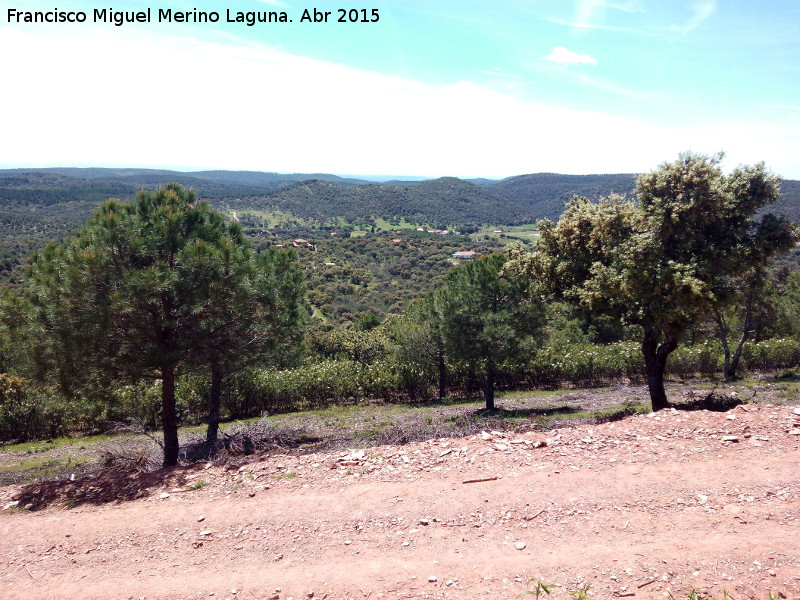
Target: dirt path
{"x":637,"y":508}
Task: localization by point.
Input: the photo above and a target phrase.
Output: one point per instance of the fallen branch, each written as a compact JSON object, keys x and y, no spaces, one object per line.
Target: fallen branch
{"x":480,"y":480}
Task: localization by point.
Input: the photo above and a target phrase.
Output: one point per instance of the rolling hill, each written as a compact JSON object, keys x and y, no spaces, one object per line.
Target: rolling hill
{"x":41,"y":205}
{"x":543,"y":195}
{"x":255,"y":179}
{"x":445,"y":202}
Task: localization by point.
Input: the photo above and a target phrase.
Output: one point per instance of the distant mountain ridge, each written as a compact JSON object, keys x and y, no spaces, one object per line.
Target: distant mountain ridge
{"x":447,"y":201}
{"x":543,"y":195}
{"x":257,"y":179}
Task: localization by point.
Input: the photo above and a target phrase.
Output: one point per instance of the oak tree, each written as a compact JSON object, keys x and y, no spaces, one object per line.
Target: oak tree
{"x":667,"y":259}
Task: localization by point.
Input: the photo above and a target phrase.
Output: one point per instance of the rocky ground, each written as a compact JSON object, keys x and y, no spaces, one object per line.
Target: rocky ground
{"x":643,"y":507}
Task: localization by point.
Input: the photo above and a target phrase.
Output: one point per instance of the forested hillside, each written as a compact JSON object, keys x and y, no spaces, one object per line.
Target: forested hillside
{"x":789,"y":206}
{"x":258,"y":179}
{"x":380,"y":273}
{"x":543,"y":195}
{"x":38,"y":187}
{"x":443,"y":203}
{"x":39,"y":205}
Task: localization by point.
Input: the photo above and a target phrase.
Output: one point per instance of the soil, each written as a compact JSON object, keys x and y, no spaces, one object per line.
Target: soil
{"x":642,"y":507}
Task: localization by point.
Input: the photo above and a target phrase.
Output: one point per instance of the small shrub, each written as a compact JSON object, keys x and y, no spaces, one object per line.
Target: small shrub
{"x":772,"y":355}
{"x":539,"y":588}
{"x":29,"y":412}
{"x":703,"y":359}
{"x":582,"y":593}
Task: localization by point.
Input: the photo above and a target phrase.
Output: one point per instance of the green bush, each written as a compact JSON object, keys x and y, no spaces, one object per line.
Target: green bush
{"x":28,"y":412}
{"x":319,"y":384}
{"x":311,"y":386}
{"x":142,"y":402}
{"x":585,"y":364}
{"x":700,"y":359}
{"x":772,"y":355}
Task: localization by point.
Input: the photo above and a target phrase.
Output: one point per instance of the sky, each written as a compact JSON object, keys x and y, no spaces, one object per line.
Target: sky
{"x":433,"y":88}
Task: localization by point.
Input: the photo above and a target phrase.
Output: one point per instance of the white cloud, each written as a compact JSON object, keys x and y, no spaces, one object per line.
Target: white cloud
{"x":782,"y":106}
{"x":629,"y":7}
{"x":589,"y":12}
{"x":563,"y":56}
{"x":617,"y":89}
{"x":586,"y":10}
{"x":578,"y":25}
{"x":701,"y":10}
{"x":499,"y":72}
{"x":129,"y":98}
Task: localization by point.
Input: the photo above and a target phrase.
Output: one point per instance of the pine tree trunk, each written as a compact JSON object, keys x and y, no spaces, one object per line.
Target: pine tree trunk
{"x":488,"y":391}
{"x":655,"y":361}
{"x":213,"y":406}
{"x":442,"y":377}
{"x":169,"y":416}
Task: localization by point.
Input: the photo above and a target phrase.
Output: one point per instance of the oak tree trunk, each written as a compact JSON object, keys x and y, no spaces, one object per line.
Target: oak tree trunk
{"x":722,"y":335}
{"x":748,"y":324}
{"x":655,"y":362}
{"x":737,"y":355}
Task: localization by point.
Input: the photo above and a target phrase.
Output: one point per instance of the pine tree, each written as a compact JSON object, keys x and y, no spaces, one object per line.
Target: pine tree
{"x":150,"y":289}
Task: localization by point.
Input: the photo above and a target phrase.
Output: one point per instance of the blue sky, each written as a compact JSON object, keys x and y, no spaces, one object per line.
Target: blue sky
{"x":462,"y":88}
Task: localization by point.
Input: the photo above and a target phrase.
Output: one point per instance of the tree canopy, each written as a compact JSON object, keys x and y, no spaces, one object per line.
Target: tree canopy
{"x":420,"y":339}
{"x":487,"y":317}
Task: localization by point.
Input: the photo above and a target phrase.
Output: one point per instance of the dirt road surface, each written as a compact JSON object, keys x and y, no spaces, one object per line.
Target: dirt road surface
{"x":638,"y":508}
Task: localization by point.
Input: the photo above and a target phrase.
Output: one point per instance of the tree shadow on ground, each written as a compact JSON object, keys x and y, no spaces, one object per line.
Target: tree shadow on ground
{"x":550,"y":416}
{"x":525,"y":413}
{"x":109,"y":485}
{"x":245,"y":441}
{"x":709,"y":401}
{"x":128,"y":477}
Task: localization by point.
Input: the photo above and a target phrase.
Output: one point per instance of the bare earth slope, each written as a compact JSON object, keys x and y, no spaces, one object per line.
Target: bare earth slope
{"x":637,"y":508}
